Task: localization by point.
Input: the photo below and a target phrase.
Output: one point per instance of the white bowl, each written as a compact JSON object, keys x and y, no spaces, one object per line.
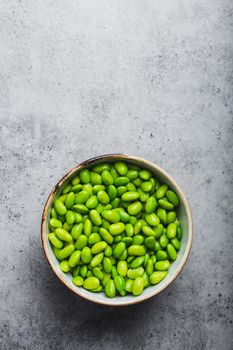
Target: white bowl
{"x":184,"y":215}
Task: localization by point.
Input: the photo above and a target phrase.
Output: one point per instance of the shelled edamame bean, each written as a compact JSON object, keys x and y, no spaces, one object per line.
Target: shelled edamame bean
{"x":114,"y":227}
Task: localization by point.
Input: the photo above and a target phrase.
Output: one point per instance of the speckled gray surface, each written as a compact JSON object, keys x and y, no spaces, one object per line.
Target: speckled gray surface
{"x":82,"y":78}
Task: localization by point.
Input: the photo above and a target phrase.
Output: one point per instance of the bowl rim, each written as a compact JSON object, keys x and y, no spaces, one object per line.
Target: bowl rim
{"x":125,"y":157}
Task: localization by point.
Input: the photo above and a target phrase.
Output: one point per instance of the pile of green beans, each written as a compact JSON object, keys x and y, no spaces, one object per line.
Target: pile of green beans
{"x":115,"y":229}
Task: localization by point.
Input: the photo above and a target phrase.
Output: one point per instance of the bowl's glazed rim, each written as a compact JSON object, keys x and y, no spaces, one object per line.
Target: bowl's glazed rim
{"x":138,"y":299}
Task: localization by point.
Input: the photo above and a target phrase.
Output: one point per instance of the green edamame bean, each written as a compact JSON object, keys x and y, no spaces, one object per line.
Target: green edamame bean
{"x":98,"y":273}
{"x":127,"y":241}
{"x":128,"y":285}
{"x":80,"y":208}
{"x":107,"y":178}
{"x":55,"y":223}
{"x":101,"y":167}
{"x":117,"y":228}
{"x":171,"y":251}
{"x":176,"y":244}
{"x":81,"y":242}
{"x":124,"y":217}
{"x":77,"y":188}
{"x":85,"y":176}
{"x":115,"y":202}
{"x":122,"y":268}
{"x":83,"y":270}
{"x":63,"y":235}
{"x":137,"y":227}
{"x":171,"y":230}
{"x":113,"y":173}
{"x":64,"y":266}
{"x":95,"y":178}
{"x":137,"y":262}
{"x":134,"y":273}
{"x":119,"y":283}
{"x":153,"y":258}
{"x":56,"y":242}
{"x":78,"y":217}
{"x":130,"y":196}
{"x":161,"y":255}
{"x":77,"y":281}
{"x":148,"y":231}
{"x":179,"y":233}
{"x":165,"y":204}
{"x":143,"y":196}
{"x":136,"y":250}
{"x":106,"y":278}
{"x":81,"y":197}
{"x":150,"y":242}
{"x":107,"y":264}
{"x":77,"y":230}
{"x":53,"y":213}
{"x":75,"y":271}
{"x":65,"y":252}
{"x":106,"y":235}
{"x":135,"y":208}
{"x":137,"y":240}
{"x":59,"y":207}
{"x":98,"y":247}
{"x":67,"y":227}
{"x":162,"y":265}
{"x":92,"y":202}
{"x":112,"y":192}
{"x":74,"y":258}
{"x":132,"y":174}
{"x":62,"y":198}
{"x":146,"y":186}
{"x":152,"y":219}
{"x":110,"y":289}
{"x":121,"y":168}
{"x":138,"y":286}
{"x":91,"y":283}
{"x":94,"y":238}
{"x":86,"y":255}
{"x":95,"y":217}
{"x":108,"y":251}
{"x":149,"y":268}
{"x":171,"y":217}
{"x":162,"y":215}
{"x":75,"y":180}
{"x":121,"y":181}
{"x":103,"y":197}
{"x":69,"y":202}
{"x":129,"y":230}
{"x":151,"y":205}
{"x":160,"y":193}
{"x":158,"y":230}
{"x":88,"y":188}
{"x":70,"y":217}
{"x":118,"y":250}
{"x":157,"y":246}
{"x":146,"y":258}
{"x":66,"y":189}
{"x":123,"y":256}
{"x":87,"y":227}
{"x":97,"y":188}
{"x":163,"y":241}
{"x":97,"y":259}
{"x":114,"y":271}
{"x":172,"y":197}
{"x":157,"y":276}
{"x":111,"y":216}
{"x":145,"y":174}
{"x":131,"y":187}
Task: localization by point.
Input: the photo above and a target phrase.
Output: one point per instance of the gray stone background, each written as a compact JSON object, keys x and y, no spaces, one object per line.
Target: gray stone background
{"x":83,"y":78}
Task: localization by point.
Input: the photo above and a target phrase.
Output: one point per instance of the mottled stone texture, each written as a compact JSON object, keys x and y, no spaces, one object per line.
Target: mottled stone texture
{"x":83,"y":78}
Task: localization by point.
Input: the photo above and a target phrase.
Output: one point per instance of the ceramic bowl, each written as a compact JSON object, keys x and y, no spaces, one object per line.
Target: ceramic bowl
{"x":184,"y":214}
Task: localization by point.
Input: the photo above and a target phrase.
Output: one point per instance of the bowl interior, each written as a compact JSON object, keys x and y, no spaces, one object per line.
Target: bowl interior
{"x":183,"y":214}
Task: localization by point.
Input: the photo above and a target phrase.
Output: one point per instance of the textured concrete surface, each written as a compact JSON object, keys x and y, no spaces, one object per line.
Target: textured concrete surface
{"x":82,"y":78}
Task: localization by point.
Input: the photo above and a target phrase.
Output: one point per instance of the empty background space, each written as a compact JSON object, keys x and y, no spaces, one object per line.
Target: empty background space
{"x":147,"y":78}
